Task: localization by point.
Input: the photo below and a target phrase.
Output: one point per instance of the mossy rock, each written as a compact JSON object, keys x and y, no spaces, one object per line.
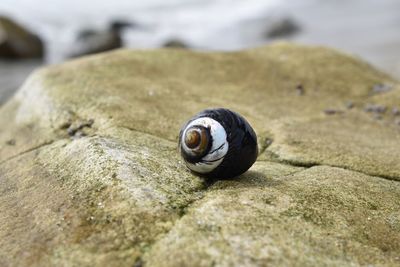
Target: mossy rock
{"x":90,"y":174}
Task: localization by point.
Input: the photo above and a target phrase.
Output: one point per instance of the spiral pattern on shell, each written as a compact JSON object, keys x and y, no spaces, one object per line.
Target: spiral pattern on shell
{"x":218,"y":143}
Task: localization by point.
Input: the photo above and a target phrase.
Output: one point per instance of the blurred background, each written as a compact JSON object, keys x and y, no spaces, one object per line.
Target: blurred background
{"x":36,"y":33}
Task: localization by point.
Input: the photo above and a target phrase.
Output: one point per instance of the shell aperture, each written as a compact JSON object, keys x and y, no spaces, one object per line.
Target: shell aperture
{"x":218,"y":143}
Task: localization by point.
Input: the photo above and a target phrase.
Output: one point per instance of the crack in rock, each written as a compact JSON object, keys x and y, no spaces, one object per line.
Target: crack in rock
{"x":27,"y":151}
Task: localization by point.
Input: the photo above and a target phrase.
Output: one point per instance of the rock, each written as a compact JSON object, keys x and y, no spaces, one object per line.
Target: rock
{"x":381,"y":88}
{"x":300,"y":89}
{"x":16,"y":42}
{"x":396,"y":111}
{"x":90,"y":41}
{"x":294,"y":220}
{"x":281,"y":28}
{"x":330,"y":111}
{"x":324,"y":191}
{"x":96,"y":43}
{"x":175,"y":43}
{"x":375,"y":108}
{"x":349,"y":104}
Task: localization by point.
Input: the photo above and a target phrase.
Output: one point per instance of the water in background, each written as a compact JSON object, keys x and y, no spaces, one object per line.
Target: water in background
{"x":368,"y":28}
{"x":207,"y":24}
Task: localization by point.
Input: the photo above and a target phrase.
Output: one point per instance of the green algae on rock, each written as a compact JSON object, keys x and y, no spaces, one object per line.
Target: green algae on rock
{"x":92,"y":176}
{"x":321,"y":216}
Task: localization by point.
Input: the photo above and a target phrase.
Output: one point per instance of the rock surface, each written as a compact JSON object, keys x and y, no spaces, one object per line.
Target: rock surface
{"x":17,"y":42}
{"x":90,"y":174}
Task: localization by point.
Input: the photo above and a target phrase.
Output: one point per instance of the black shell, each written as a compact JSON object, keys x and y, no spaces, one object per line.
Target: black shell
{"x":242,"y":140}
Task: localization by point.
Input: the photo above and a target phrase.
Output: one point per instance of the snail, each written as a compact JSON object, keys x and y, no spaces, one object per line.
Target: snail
{"x":218,"y":143}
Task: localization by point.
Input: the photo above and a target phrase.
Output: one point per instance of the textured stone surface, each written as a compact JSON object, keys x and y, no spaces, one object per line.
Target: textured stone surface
{"x":90,"y":174}
{"x":316,"y":217}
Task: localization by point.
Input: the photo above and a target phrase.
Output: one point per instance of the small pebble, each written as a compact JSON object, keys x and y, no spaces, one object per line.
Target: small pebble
{"x":332,"y":111}
{"x":381,"y":88}
{"x":396,"y":111}
{"x":138,"y":263}
{"x":75,"y":130}
{"x":349,"y":105}
{"x":79,"y":134}
{"x":11,"y":142}
{"x":65,"y":125}
{"x":300,"y":89}
{"x":268,"y":142}
{"x":375,"y":108}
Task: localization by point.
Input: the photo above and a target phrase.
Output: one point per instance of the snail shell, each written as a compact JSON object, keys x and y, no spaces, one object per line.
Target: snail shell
{"x":218,"y":143}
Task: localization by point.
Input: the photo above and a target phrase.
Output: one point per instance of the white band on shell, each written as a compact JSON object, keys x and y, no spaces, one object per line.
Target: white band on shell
{"x":219,"y":146}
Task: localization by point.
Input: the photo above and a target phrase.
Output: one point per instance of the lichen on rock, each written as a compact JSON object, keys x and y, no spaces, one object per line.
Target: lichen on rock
{"x":92,"y":176}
